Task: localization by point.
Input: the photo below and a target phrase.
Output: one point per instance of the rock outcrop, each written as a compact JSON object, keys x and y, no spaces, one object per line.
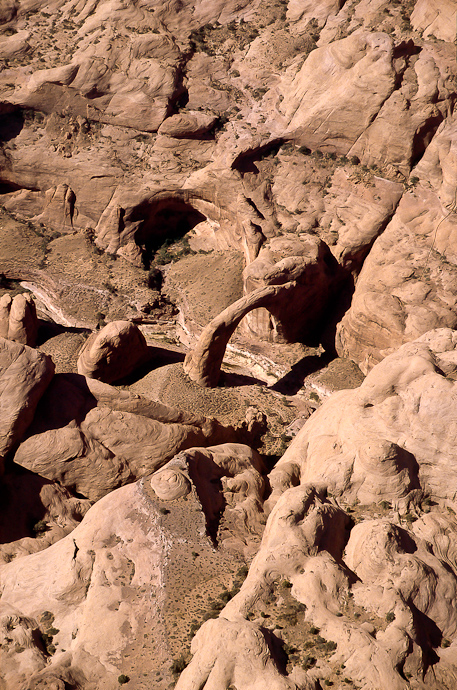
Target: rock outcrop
{"x":24,"y":374}
{"x":113,"y":353}
{"x":406,"y":287}
{"x":18,"y":319}
{"x":92,"y":439}
{"x":379,"y":438}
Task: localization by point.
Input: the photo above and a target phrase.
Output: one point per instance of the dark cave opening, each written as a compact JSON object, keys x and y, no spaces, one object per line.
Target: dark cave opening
{"x":162,"y":228}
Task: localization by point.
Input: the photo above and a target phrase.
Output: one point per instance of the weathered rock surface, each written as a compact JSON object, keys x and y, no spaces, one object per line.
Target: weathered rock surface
{"x":314,"y":141}
{"x":18,"y":319}
{"x":113,"y":353}
{"x":24,"y":376}
{"x":380,"y":438}
{"x":129,"y":543}
{"x":299,"y":316}
{"x":407,"y":284}
{"x":92,"y":439}
{"x":379,"y":445}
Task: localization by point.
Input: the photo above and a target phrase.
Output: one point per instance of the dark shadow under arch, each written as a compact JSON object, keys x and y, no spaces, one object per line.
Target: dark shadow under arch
{"x":161,"y":222}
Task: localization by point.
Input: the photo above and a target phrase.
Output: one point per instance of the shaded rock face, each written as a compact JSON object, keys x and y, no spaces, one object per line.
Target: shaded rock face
{"x":25,"y":375}
{"x":91,"y":440}
{"x":114,"y":353}
{"x":309,"y":264}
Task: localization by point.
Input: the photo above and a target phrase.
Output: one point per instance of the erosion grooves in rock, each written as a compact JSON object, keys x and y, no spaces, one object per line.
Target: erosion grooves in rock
{"x":228,"y":345}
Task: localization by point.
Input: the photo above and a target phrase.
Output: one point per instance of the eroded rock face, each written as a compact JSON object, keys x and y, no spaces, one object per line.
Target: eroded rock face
{"x":308,"y":263}
{"x":113,"y":353}
{"x":25,"y":374}
{"x":407,"y":283}
{"x":18,"y":319}
{"x":373,"y":445}
{"x":381,"y":436}
{"x":92,"y":440}
{"x":345,"y":73}
{"x":128,"y":543}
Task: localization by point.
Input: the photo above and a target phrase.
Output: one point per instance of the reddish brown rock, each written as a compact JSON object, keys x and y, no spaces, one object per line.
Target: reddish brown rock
{"x":25,"y":374}
{"x":18,"y":319}
{"x":113,"y":353}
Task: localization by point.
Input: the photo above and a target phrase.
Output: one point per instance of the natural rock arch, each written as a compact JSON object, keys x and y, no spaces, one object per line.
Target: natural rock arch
{"x":135,"y":220}
{"x":203,"y":364}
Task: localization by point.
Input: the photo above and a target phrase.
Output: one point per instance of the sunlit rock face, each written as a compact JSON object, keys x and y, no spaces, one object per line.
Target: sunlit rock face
{"x":228,"y":344}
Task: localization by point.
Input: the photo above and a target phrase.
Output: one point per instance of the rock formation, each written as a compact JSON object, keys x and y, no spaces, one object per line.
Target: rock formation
{"x":169,"y":172}
{"x":113,"y":353}
{"x":25,"y":374}
{"x":91,"y":439}
{"x":204,"y":363}
{"x":18,"y":319}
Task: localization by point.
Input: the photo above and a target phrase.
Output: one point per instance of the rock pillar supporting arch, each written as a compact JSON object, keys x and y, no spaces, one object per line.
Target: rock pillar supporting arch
{"x":203,"y":364}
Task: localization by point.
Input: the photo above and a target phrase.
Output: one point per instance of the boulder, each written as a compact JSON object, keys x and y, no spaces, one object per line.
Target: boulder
{"x":189,"y":126}
{"x":113,"y":353}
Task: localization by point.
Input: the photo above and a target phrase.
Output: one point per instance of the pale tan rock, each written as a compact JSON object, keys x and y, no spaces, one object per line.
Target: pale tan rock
{"x":407,"y":284}
{"x":407,"y":121}
{"x":435,"y":18}
{"x":98,"y":574}
{"x":354,"y":214}
{"x":113,"y":353}
{"x":25,"y":375}
{"x":334,"y":98}
{"x":379,"y":438}
{"x":239,"y":652}
{"x":193,"y":124}
{"x":59,"y":208}
{"x":17,"y":45}
{"x":70,"y":582}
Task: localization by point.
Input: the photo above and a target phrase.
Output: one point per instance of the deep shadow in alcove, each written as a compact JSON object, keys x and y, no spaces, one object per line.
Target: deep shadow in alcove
{"x":162,"y":224}
{"x":11,"y":122}
{"x":294,"y":380}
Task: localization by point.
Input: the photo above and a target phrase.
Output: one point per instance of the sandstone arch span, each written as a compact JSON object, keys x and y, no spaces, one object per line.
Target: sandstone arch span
{"x":203,"y":364}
